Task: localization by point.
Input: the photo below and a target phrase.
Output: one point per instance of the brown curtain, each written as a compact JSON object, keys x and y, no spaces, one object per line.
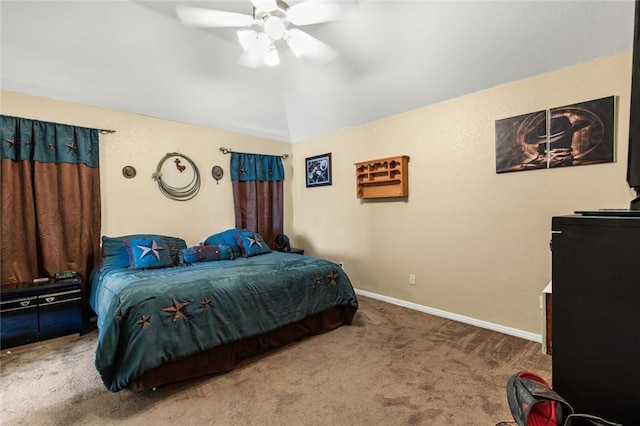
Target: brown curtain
{"x":257,"y":182}
{"x":51,"y":214}
{"x":259,"y":206}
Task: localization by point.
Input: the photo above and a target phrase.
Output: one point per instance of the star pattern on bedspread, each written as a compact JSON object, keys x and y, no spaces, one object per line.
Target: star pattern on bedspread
{"x":318,"y":279}
{"x":206,"y":303}
{"x":144,"y":320}
{"x":122,"y":314}
{"x":177,"y":308}
{"x":333,"y":276}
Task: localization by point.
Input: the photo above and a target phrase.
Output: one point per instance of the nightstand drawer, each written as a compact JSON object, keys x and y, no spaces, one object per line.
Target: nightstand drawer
{"x":60,"y":313}
{"x":19,"y":321}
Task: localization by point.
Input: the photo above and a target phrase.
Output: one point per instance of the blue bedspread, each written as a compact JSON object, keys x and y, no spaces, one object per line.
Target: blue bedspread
{"x":150,"y":317}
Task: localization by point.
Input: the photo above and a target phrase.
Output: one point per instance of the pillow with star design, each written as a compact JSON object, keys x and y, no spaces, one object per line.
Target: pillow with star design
{"x":251,"y":243}
{"x":148,"y":253}
{"x":115,"y":254}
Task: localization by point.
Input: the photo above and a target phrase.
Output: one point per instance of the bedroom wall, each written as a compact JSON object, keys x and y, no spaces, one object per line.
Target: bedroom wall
{"x":137,"y":205}
{"x":478,"y":242}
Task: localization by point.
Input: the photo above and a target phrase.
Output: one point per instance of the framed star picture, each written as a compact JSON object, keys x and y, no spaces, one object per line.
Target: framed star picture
{"x":318,"y":170}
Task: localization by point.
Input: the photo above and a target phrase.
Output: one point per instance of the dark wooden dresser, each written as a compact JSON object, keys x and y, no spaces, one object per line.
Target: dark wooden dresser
{"x":30,"y":313}
{"x":596,"y":315}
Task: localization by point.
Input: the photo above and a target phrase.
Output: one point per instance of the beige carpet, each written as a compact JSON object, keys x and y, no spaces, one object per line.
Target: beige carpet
{"x":393,"y":366}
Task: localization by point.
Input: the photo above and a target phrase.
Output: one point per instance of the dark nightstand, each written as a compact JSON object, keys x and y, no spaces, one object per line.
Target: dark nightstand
{"x":31,"y":312}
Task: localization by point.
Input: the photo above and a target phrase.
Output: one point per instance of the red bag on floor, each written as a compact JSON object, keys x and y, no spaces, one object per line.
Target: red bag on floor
{"x":533,"y":403}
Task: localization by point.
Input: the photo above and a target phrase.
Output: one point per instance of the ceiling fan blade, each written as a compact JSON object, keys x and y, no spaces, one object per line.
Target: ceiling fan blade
{"x":265,"y":5}
{"x":309,"y":47}
{"x":314,"y":12}
{"x":198,"y":17}
{"x":248,"y":39}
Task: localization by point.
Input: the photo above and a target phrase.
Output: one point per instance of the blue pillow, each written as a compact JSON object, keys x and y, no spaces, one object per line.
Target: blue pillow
{"x":148,"y":253}
{"x":204,"y":254}
{"x":251,"y":243}
{"x":228,"y":238}
{"x":115,"y":253}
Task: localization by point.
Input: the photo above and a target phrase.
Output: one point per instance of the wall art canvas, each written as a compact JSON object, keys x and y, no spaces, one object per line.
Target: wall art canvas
{"x":318,"y":170}
{"x":571,"y":135}
{"x":513,"y":153}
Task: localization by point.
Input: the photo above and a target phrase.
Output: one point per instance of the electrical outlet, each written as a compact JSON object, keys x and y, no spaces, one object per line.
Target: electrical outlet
{"x":412,"y":279}
{"x":341,"y":265}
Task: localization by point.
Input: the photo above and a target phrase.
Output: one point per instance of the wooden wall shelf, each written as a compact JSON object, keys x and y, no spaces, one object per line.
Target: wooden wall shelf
{"x":384,"y":177}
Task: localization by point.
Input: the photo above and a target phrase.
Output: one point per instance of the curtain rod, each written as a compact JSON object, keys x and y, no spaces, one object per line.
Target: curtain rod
{"x":228,"y":151}
{"x":105,"y":131}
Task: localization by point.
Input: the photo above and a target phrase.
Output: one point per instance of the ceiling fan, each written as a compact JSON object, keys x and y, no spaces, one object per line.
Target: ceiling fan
{"x":272,"y":22}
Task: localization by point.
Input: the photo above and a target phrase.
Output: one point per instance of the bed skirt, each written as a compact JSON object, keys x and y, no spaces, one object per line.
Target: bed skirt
{"x":225,"y":357}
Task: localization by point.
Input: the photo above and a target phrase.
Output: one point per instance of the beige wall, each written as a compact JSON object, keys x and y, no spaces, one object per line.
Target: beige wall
{"x":137,"y":205}
{"x":478,"y":242}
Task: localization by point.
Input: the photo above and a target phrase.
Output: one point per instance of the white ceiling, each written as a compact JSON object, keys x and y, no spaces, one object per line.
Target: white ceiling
{"x":394,"y":56}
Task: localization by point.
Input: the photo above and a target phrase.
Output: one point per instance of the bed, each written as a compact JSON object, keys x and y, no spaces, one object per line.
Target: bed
{"x":206,"y":308}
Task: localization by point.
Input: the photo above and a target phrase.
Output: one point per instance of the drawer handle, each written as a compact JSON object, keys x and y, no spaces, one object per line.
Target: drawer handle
{"x":25,"y":303}
{"x":50,"y":299}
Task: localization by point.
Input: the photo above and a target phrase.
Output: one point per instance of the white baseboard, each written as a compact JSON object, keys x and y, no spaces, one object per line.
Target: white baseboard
{"x":456,"y":317}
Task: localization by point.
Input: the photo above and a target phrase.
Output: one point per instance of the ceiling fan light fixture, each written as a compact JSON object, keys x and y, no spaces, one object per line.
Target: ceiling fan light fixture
{"x":271,"y":57}
{"x":274,"y":27}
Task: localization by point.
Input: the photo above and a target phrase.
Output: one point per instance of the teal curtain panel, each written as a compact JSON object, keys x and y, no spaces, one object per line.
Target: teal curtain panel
{"x":256,"y":167}
{"x":31,"y":140}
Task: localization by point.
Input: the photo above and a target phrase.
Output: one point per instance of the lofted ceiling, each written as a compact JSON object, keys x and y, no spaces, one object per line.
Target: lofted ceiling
{"x":393,"y":56}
